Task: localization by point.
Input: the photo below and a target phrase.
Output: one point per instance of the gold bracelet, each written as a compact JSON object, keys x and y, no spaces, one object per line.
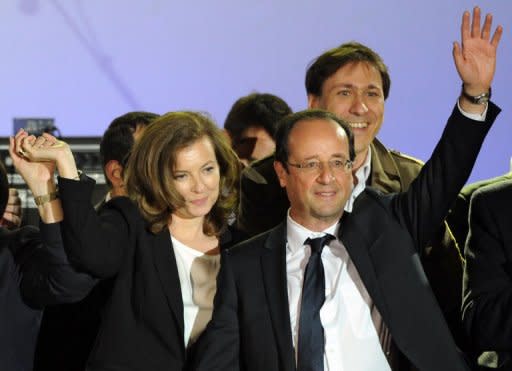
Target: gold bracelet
{"x":40,"y":200}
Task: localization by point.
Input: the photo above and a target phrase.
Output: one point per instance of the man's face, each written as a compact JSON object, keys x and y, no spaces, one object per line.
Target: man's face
{"x":317,"y":197}
{"x":354,"y":93}
{"x":255,"y":143}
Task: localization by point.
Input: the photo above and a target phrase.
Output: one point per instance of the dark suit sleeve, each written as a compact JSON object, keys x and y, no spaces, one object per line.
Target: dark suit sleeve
{"x":487,"y":304}
{"x":458,"y":219}
{"x":443,"y":265}
{"x":426,"y":203}
{"x":47,"y":277}
{"x":95,"y":242}
{"x":218,"y":347}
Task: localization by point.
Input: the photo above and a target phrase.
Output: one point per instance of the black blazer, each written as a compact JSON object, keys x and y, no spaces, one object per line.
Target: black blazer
{"x":34,"y":272}
{"x":487,"y":305}
{"x":264,"y":203}
{"x":142,"y":327}
{"x":459,"y":213}
{"x":384,"y":235}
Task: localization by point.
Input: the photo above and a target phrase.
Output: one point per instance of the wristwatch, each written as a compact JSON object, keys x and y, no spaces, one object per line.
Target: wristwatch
{"x":477,"y":99}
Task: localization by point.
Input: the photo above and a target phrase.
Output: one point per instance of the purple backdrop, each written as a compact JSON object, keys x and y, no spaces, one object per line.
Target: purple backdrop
{"x":85,"y":62}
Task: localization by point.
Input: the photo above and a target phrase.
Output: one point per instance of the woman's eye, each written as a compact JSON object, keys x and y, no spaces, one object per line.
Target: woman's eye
{"x":179,"y":176}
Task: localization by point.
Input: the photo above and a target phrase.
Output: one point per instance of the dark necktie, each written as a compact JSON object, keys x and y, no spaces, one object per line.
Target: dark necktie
{"x":311,"y":342}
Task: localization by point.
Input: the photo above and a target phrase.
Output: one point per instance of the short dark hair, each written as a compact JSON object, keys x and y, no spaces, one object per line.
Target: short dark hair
{"x":4,"y":188}
{"x":149,"y":172}
{"x":257,"y":109}
{"x":332,"y":60}
{"x":286,"y":125}
{"x":132,"y":119}
{"x":117,"y":141}
{"x":116,"y":144}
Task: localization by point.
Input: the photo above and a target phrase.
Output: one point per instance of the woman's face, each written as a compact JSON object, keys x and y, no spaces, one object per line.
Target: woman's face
{"x":196,"y":178}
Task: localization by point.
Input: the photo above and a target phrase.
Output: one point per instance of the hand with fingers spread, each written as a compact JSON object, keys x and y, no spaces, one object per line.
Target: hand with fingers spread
{"x":475,"y":57}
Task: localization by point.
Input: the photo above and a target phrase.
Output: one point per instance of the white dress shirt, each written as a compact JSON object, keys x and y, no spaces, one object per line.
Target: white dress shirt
{"x":351,"y":338}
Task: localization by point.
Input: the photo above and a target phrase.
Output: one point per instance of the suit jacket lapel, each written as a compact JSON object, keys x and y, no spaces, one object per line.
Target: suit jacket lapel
{"x":358,"y":242}
{"x":273,"y":265}
{"x":167,"y":270}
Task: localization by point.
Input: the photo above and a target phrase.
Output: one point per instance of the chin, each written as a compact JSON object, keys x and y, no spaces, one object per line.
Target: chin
{"x":328,"y":215}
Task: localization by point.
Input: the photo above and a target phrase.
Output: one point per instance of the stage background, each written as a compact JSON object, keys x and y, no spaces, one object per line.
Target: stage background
{"x":85,"y":62}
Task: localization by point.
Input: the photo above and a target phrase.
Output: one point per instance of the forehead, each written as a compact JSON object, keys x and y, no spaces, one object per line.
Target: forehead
{"x":317,"y":137}
{"x":358,"y":74}
{"x":201,"y":149}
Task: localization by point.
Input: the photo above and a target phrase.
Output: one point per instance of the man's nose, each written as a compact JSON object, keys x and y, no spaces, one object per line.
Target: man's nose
{"x":358,"y":105}
{"x":326,"y":174}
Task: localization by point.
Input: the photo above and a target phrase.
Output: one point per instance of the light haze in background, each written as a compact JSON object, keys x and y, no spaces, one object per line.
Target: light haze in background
{"x":84,"y":62}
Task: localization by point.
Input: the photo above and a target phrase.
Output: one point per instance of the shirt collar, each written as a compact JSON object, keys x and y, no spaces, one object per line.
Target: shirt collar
{"x":362,"y":175}
{"x":296,"y":234}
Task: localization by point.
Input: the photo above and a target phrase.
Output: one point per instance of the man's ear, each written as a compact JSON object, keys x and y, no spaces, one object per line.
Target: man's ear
{"x":227,"y":136}
{"x":114,"y":173}
{"x":313,"y":101}
{"x":282,"y":173}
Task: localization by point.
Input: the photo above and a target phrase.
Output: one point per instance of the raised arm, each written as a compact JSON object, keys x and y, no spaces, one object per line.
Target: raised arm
{"x":95,"y":244}
{"x":39,"y":175}
{"x":426,"y":203}
{"x":47,"y":277}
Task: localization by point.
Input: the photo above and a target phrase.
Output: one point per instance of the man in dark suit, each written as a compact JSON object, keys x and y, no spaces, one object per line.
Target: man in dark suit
{"x":487,"y":310}
{"x":338,"y":304}
{"x":353,"y":82}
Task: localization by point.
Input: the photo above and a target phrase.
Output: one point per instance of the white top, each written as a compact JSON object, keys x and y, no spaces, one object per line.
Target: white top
{"x":198,"y":279}
{"x":351,"y":338}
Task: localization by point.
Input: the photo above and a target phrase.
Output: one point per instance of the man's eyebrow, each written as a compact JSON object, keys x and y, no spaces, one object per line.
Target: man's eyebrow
{"x":349,"y":85}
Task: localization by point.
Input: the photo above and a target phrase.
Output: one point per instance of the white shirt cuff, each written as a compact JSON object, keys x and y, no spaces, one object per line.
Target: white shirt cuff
{"x":474,"y":116}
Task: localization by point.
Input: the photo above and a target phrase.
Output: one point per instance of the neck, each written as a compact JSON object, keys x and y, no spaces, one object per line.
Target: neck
{"x":117,"y":191}
{"x":360,"y":159}
{"x":190,"y":232}
{"x":316,"y":224}
{"x":186,"y":229}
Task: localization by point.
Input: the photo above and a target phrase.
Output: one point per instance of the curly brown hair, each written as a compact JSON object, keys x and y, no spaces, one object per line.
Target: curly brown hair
{"x":149,"y":171}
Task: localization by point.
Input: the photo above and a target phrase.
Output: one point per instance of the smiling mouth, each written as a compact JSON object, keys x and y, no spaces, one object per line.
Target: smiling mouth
{"x":358,"y":125}
{"x":326,"y":194}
